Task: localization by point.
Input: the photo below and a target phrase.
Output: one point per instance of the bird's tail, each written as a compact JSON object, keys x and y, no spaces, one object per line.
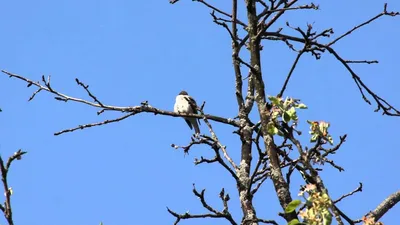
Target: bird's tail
{"x":196,"y":126}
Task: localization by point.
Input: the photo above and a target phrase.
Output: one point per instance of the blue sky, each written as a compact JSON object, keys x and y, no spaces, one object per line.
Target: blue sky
{"x":131,"y":51}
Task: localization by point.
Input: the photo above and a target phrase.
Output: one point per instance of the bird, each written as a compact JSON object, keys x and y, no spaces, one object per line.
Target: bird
{"x":186,"y":104}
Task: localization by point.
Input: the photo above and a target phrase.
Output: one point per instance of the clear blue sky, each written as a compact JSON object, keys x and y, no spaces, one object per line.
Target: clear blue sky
{"x":131,"y":51}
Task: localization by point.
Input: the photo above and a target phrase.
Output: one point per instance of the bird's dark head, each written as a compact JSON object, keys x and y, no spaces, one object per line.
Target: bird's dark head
{"x":183,"y":93}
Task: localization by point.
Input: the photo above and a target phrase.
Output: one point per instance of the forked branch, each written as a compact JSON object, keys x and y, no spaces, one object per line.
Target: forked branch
{"x":131,"y":110}
{"x":314,"y":45}
{"x":4,"y":168}
{"x":213,"y":213}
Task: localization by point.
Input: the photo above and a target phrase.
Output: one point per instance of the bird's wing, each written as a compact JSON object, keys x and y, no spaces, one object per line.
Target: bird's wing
{"x":192,"y":104}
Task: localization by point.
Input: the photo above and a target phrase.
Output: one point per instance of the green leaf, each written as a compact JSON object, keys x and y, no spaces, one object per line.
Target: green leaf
{"x":272,"y":129}
{"x":292,"y":206}
{"x":287,"y":102}
{"x":327,"y":216}
{"x":292,"y":113}
{"x":275,"y":100}
{"x":286,"y":117}
{"x":314,"y":138}
{"x":275,"y":115}
{"x":325,"y":196}
{"x":294,"y":222}
{"x":301,"y":106}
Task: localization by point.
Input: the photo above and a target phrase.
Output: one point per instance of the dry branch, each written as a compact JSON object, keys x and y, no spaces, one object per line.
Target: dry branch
{"x":131,"y":110}
{"x":4,"y":168}
{"x":315,"y":45}
{"x":213,"y":213}
{"x":271,"y":158}
{"x":385,"y":206}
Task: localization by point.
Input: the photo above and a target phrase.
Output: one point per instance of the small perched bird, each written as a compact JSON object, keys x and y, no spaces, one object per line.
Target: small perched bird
{"x":186,"y":104}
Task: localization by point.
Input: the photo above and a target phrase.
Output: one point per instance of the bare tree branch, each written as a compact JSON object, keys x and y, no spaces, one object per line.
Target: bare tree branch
{"x":385,"y":206}
{"x":187,"y":215}
{"x":235,"y":59}
{"x":224,"y":25}
{"x":215,"y":144}
{"x":280,"y":185}
{"x":272,"y":159}
{"x":290,"y":73}
{"x":270,"y":11}
{"x":384,"y":13}
{"x":215,"y":139}
{"x":335,"y":148}
{"x":213,"y":212}
{"x":86,"y":87}
{"x":245,"y":222}
{"x":264,"y":26}
{"x":220,"y":11}
{"x":358,"y":189}
{"x":387,"y":108}
{"x":4,"y":168}
{"x":382,"y":104}
{"x":132,"y":110}
{"x":84,"y":126}
{"x":362,"y":61}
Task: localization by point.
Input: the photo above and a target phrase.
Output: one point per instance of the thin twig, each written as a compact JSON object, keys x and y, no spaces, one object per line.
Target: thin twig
{"x":362,"y":61}
{"x":4,"y":169}
{"x":213,"y":212}
{"x":290,"y":73}
{"x":223,"y":24}
{"x":215,"y":138}
{"x":220,"y":11}
{"x":245,"y":222}
{"x":385,"y":12}
{"x":267,"y":11}
{"x":143,"y":108}
{"x":81,"y":127}
{"x":358,"y":189}
{"x":86,"y":87}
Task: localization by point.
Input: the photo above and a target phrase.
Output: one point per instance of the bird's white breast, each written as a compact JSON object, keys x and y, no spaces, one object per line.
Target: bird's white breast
{"x":182,"y":105}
